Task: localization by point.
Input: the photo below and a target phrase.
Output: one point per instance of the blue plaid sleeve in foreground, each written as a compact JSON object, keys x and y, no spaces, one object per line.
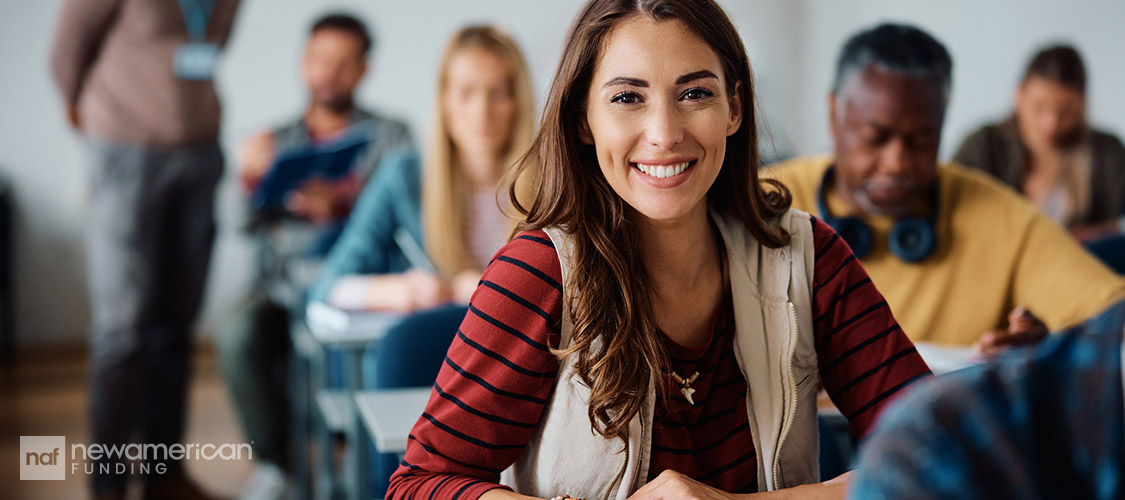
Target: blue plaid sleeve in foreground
{"x":1042,"y":422}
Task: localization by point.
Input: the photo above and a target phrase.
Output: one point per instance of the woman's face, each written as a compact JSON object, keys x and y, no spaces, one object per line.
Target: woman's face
{"x":658,"y":115}
{"x":479,"y":104}
{"x":1049,"y":113}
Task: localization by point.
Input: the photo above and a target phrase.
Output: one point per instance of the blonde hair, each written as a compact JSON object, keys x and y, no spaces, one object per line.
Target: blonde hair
{"x":445,"y":187}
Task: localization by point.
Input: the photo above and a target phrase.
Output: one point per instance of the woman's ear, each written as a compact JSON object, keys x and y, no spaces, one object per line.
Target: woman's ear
{"x":735,"y":110}
{"x":584,"y":134}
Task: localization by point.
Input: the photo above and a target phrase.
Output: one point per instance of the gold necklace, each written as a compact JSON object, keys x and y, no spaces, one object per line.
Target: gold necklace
{"x":685,"y":385}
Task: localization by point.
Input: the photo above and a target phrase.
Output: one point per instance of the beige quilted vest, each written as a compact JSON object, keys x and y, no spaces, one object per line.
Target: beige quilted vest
{"x":774,"y":347}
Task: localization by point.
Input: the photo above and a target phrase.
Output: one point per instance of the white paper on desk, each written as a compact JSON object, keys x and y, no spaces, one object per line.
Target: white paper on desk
{"x":332,"y":321}
{"x":944,"y":358}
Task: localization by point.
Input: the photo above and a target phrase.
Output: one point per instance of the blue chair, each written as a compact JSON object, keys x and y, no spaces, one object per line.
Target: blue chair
{"x":833,"y":456}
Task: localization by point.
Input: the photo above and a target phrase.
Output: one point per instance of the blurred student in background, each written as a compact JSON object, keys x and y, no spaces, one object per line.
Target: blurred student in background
{"x":253,"y":344}
{"x":136,"y":80}
{"x":483,"y":122}
{"x":961,"y":258}
{"x":1049,"y":152}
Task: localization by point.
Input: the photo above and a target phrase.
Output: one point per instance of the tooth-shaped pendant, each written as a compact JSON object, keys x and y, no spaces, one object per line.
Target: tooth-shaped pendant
{"x":685,"y":385}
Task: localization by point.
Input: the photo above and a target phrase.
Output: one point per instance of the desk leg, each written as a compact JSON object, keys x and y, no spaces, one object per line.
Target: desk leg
{"x":327,"y":486}
{"x":357,"y":444}
{"x":300,"y":430}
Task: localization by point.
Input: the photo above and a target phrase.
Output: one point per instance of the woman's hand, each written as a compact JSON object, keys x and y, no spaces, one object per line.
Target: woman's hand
{"x":463,"y":286}
{"x":402,"y":293}
{"x":503,"y":494}
{"x":424,"y":290}
{"x":671,"y":485}
{"x":1093,"y":232}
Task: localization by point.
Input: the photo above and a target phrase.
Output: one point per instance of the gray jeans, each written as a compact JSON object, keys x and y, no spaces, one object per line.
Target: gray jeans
{"x":151,"y":226}
{"x":253,"y":347}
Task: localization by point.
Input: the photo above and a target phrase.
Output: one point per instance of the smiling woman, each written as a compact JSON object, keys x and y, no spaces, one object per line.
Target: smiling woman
{"x":611,"y":347}
{"x":663,"y":126}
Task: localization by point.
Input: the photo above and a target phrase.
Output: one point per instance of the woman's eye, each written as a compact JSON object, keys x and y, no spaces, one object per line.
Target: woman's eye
{"x":626,"y":98}
{"x":697,"y":94}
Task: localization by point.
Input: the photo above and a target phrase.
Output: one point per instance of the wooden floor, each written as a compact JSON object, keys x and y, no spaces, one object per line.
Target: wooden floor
{"x":44,"y":394}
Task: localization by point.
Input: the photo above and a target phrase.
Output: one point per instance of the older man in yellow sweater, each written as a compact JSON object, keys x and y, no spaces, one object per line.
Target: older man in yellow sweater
{"x":961,"y":258}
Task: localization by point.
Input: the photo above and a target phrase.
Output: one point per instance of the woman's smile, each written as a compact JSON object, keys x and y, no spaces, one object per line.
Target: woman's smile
{"x":663,"y":174}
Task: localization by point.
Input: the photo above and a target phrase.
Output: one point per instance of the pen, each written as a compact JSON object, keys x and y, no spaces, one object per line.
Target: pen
{"x":413,"y":251}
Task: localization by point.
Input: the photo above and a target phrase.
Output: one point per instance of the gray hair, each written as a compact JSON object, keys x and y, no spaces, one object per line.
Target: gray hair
{"x":898,"y":49}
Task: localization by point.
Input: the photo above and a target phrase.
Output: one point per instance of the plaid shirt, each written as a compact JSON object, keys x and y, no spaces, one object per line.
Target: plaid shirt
{"x":1042,"y":422}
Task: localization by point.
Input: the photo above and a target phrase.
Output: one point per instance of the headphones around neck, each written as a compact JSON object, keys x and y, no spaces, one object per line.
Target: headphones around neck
{"x":912,"y":239}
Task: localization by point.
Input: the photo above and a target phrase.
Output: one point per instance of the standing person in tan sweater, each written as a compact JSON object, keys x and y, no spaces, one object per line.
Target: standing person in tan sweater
{"x":136,"y":80}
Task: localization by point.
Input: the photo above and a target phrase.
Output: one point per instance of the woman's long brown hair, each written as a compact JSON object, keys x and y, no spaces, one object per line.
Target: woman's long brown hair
{"x":618,"y":347}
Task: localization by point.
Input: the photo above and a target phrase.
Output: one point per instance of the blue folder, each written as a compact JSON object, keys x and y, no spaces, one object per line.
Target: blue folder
{"x":328,"y":161}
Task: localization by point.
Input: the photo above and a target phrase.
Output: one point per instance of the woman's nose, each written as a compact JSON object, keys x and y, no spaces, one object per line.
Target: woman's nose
{"x":664,"y":126}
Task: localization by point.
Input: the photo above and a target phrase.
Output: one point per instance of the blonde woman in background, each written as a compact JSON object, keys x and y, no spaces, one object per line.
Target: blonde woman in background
{"x":482,"y":124}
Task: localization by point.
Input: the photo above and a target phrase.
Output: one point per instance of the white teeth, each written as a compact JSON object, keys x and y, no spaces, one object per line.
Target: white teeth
{"x":663,"y":171}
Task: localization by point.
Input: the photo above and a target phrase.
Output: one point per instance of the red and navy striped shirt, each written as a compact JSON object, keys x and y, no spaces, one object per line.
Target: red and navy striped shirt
{"x":499,"y":373}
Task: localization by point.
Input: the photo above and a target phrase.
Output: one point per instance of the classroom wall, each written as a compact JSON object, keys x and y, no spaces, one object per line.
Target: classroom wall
{"x":792,"y":45}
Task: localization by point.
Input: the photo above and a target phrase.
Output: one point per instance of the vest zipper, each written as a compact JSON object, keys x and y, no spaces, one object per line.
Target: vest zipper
{"x":620,"y":475}
{"x":788,"y":423}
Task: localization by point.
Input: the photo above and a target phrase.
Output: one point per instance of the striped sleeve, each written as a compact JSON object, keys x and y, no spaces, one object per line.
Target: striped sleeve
{"x":864,"y":357}
{"x":495,"y":381}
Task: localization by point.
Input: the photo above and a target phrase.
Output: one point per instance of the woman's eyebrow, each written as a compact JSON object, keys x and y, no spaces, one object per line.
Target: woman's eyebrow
{"x":695,"y":76}
{"x":622,"y":80}
{"x":637,"y":82}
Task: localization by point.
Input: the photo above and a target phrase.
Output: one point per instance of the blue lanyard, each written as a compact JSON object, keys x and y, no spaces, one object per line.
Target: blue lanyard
{"x":196,"y":15}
